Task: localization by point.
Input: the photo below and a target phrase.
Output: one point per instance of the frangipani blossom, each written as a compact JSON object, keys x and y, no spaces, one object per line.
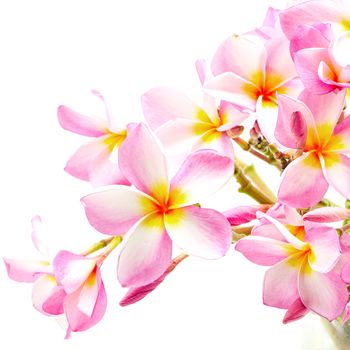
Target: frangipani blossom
{"x":161,"y":211}
{"x":251,"y":74}
{"x":85,"y":301}
{"x":177,"y":120}
{"x":315,"y":62}
{"x":302,"y":259}
{"x":95,"y":161}
{"x":311,"y":125}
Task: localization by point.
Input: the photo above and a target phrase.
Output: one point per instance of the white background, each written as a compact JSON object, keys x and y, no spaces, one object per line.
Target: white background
{"x":54,"y":52}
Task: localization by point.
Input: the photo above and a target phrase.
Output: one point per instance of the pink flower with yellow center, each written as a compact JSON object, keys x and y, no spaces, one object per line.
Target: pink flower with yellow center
{"x":250,"y":74}
{"x":161,"y":211}
{"x":302,"y":258}
{"x":96,"y":161}
{"x":312,"y":125}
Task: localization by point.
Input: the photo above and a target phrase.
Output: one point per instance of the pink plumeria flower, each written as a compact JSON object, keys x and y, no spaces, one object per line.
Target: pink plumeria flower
{"x":96,"y":161}
{"x":315,"y":61}
{"x":302,"y":259}
{"x":311,"y":125}
{"x":251,"y":74}
{"x":85,"y":301}
{"x":161,"y":210}
{"x":178,"y":120}
{"x":47,"y":295}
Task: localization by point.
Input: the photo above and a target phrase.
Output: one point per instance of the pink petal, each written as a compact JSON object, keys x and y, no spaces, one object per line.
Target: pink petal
{"x":233,"y":88}
{"x":307,"y":63}
{"x":228,"y":58}
{"x":146,"y":254}
{"x":142,"y":162}
{"x":325,"y":247}
{"x":38,"y":235}
{"x":72,"y":270}
{"x":47,"y":296}
{"x":201,"y":67}
{"x":297,"y":186}
{"x":340,"y":141}
{"x":230,"y":116}
{"x":244,"y":214}
{"x":202,"y":173}
{"x":336,"y":168}
{"x":326,"y":110}
{"x":81,"y":124}
{"x":291,"y":128}
{"x":201,"y":232}
{"x":80,"y":164}
{"x":26,"y":270}
{"x":136,"y":294}
{"x":280,"y":284}
{"x":295,"y":312}
{"x":308,"y":36}
{"x":327,"y":214}
{"x":216,"y":141}
{"x":345,"y":272}
{"x":266,"y":229}
{"x":308,"y":12}
{"x":105,"y":171}
{"x":285,"y":214}
{"x":78,"y":320}
{"x":114,"y":211}
{"x":163,"y":104}
{"x":264,"y":251}
{"x":325,"y":294}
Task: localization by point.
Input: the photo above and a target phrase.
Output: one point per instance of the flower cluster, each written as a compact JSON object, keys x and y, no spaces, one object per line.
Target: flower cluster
{"x":278,"y":92}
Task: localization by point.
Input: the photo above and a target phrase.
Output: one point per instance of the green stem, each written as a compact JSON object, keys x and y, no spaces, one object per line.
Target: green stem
{"x":97,"y":246}
{"x":248,"y":188}
{"x":251,"y":172}
{"x":111,"y":246}
{"x":239,"y":232}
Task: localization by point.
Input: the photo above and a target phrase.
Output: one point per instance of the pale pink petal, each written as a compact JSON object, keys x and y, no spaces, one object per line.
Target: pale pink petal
{"x":201,"y":67}
{"x":26,"y":270}
{"x":325,"y":294}
{"x":308,"y":12}
{"x":336,"y":168}
{"x":346,"y":315}
{"x":264,"y":251}
{"x":146,"y":254}
{"x":230,"y":116}
{"x":325,"y":247}
{"x":201,"y":232}
{"x":72,"y":270}
{"x":80,"y":163}
{"x":47,"y":296}
{"x":81,"y":124}
{"x":202,"y":174}
{"x":244,"y":214}
{"x":114,"y":211}
{"x":217,"y":141}
{"x":285,"y":214}
{"x":291,"y":128}
{"x":297,"y":187}
{"x":271,"y":17}
{"x":233,"y":88}
{"x":163,"y":104}
{"x":228,"y":58}
{"x":143,"y":163}
{"x":280,"y":284}
{"x":78,"y":320}
{"x":311,"y":36}
{"x":345,"y":272}
{"x":340,"y":141}
{"x":135,"y":294}
{"x":181,"y":132}
{"x":326,"y":110}
{"x":295,"y":312}
{"x":327,"y":214}
{"x":105,"y":171}
{"x":266,"y":229}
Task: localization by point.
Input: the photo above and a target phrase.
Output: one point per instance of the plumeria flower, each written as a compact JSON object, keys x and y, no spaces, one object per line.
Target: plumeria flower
{"x":177,"y":120}
{"x":315,"y":61}
{"x":85,"y":301}
{"x":311,"y":126}
{"x":251,"y":74}
{"x":161,"y":210}
{"x":47,"y":295}
{"x":97,"y":160}
{"x":302,"y":258}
